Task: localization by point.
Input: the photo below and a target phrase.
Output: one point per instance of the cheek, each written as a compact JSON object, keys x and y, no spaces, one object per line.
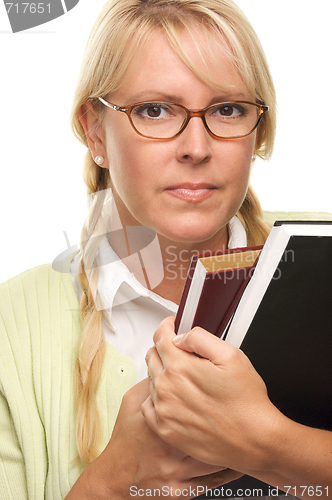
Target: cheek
{"x":122,"y":157}
{"x":236,"y":166}
{"x":136,"y":164}
{"x":237,"y":161}
{"x":133,"y":165}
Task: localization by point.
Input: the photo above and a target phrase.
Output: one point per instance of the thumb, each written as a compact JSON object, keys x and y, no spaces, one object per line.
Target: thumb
{"x":203,"y":343}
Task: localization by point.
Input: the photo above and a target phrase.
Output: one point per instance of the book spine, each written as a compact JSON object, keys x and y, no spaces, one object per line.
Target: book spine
{"x":234,"y":305}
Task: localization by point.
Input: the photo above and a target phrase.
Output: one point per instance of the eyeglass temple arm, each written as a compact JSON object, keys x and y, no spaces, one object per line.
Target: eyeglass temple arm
{"x":113,"y":106}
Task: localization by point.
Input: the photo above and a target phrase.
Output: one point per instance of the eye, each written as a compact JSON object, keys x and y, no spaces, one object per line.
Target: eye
{"x":152,"y":110}
{"x":229,"y":110}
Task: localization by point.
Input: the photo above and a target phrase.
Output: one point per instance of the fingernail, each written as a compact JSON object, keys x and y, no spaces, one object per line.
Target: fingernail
{"x":177,"y":339}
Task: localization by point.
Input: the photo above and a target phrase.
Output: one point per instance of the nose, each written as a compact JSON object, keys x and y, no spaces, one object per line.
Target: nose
{"x":194,"y":143}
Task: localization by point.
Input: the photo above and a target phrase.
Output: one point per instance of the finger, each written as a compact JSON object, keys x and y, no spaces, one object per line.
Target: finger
{"x":149,"y":413}
{"x":165,"y":331}
{"x":164,"y":352}
{"x":151,"y":384}
{"x":224,"y":477}
{"x":163,"y":341}
{"x":154,"y":364}
{"x":199,"y":469}
{"x":205,"y":344}
{"x":214,"y":480}
{"x":152,"y":359}
{"x":167,"y":324}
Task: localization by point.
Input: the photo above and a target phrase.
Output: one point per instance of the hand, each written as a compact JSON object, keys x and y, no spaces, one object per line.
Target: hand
{"x":136,"y":461}
{"x":214,"y":408}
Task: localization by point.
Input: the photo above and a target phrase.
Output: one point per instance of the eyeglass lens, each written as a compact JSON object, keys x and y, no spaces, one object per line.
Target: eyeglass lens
{"x":164,"y":120}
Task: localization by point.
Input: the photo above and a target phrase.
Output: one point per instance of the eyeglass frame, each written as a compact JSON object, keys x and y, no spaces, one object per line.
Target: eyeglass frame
{"x":190,"y":114}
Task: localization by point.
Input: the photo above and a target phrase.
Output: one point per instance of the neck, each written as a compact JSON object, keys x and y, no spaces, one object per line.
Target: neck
{"x":176,"y":258}
{"x":165,"y":263}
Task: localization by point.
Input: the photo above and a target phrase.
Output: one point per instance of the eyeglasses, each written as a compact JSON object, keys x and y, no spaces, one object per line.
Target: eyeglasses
{"x":165,"y":120}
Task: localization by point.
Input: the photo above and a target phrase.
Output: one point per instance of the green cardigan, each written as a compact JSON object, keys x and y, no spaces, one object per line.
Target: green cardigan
{"x":39,"y":333}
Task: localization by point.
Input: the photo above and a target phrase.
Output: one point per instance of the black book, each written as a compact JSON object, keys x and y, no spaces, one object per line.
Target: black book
{"x":284,"y":325}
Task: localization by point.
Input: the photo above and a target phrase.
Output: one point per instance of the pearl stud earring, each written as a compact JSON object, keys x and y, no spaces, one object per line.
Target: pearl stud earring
{"x":99,"y":160}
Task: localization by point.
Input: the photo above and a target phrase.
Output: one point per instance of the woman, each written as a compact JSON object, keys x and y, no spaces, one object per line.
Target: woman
{"x":192,"y":78}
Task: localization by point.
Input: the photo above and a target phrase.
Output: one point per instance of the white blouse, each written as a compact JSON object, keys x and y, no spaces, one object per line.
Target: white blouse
{"x":134,"y":311}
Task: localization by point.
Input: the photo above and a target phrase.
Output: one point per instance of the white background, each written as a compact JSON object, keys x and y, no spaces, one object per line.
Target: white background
{"x":42,"y":194}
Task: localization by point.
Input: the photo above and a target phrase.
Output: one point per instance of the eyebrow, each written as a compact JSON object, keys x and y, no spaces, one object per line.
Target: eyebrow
{"x":164,"y":96}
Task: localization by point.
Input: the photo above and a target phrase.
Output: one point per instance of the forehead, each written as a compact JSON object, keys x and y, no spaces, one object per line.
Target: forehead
{"x":156,"y":68}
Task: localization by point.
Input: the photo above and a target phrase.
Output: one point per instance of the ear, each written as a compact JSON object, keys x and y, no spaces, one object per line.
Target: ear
{"x":90,"y":121}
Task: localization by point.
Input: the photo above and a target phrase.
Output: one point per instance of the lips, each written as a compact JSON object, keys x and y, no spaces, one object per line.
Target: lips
{"x":192,"y":192}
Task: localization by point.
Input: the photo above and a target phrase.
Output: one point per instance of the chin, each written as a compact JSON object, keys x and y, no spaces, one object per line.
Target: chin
{"x":192,"y":234}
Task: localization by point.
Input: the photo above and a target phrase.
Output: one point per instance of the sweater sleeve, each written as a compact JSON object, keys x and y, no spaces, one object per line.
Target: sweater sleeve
{"x":12,"y":469}
{"x":23,"y":454}
{"x":40,"y":330}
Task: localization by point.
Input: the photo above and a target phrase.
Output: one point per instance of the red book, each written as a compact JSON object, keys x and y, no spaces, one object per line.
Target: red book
{"x":213,"y":288}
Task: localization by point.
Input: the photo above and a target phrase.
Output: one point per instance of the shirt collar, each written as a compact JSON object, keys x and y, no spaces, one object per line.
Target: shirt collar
{"x":237,"y":234}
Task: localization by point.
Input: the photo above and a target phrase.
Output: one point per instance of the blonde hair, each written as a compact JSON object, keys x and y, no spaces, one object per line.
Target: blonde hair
{"x":121,"y":27}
